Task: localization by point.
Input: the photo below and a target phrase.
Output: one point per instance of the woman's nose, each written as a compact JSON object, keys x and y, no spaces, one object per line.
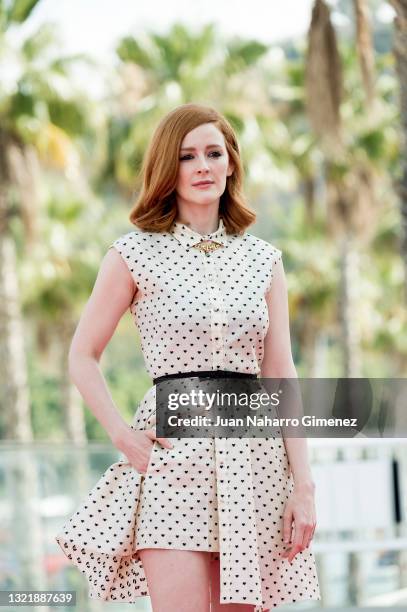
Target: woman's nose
{"x":203,"y":163}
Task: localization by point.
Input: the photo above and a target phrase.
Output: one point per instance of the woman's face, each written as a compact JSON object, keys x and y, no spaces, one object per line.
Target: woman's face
{"x":203,"y":157}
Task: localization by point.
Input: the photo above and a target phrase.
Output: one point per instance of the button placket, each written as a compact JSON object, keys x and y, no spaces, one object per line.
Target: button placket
{"x":217,"y":312}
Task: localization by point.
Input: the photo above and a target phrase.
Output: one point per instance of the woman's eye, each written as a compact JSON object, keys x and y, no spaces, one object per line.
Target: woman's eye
{"x":215,"y":153}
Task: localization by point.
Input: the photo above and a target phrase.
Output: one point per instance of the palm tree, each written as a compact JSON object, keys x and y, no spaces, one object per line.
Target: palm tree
{"x":400,"y":52}
{"x":352,"y":170}
{"x":351,"y":160}
{"x":37,"y":122}
{"x":36,"y":126}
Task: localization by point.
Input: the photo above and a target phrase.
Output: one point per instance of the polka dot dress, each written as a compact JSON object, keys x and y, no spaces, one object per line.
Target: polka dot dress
{"x":195,"y":311}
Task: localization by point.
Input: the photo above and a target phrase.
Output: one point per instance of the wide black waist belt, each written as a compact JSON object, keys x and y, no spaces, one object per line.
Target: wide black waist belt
{"x":205,"y":374}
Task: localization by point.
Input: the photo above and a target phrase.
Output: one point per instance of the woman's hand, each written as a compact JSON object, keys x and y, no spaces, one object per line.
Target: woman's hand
{"x":300,"y":508}
{"x":137,"y":445}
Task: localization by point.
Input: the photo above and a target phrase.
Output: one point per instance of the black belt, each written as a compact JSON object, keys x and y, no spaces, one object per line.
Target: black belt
{"x":205,"y":374}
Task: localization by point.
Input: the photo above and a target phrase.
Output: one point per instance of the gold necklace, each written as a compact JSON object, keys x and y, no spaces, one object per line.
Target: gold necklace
{"x":207,"y":246}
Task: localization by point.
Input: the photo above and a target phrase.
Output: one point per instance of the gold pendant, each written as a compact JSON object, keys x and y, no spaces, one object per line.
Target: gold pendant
{"x":207,"y":246}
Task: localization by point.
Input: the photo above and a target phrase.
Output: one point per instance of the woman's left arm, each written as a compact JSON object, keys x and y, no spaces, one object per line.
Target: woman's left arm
{"x":278,"y":363}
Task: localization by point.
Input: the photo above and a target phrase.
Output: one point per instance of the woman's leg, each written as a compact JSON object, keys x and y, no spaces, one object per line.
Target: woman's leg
{"x":178,"y":580}
{"x":215,"y":594}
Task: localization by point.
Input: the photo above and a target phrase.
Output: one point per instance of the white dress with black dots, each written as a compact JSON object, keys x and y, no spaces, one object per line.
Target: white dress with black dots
{"x":195,"y":311}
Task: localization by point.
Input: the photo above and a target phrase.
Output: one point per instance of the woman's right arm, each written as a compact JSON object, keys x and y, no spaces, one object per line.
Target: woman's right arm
{"x":112,"y":294}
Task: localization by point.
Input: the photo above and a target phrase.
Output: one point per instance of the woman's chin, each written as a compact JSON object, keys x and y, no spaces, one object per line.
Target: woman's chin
{"x":205,"y":198}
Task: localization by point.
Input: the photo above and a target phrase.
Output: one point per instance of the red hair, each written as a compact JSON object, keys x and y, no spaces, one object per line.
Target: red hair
{"x":155,"y":209}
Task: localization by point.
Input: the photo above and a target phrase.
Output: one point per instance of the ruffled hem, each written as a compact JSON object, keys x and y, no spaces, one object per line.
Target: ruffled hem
{"x":99,"y":537}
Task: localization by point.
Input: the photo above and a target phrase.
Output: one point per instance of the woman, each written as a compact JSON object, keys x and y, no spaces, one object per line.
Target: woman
{"x":202,"y":523}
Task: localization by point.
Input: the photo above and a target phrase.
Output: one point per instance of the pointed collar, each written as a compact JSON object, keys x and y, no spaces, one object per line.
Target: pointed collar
{"x":188,"y":237}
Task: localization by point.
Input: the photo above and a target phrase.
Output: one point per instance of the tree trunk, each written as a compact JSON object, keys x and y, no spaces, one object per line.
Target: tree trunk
{"x":349,"y":311}
{"x":400,"y":52}
{"x":364,"y":47}
{"x":15,"y":420}
{"x":23,"y":489}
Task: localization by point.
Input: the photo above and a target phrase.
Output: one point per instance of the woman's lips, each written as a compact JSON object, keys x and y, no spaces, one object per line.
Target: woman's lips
{"x":203,"y":186}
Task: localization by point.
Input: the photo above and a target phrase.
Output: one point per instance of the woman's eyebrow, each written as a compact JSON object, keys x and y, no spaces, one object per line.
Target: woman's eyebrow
{"x":207,"y":147}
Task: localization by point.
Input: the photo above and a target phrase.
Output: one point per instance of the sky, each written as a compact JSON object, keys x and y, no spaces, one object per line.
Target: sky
{"x":95,"y":26}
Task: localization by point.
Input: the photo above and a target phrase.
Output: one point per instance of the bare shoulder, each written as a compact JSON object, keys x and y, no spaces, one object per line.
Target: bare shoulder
{"x":114,"y":269}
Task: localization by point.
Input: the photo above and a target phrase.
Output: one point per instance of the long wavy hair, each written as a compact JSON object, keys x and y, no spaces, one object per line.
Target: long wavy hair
{"x":155,"y":209}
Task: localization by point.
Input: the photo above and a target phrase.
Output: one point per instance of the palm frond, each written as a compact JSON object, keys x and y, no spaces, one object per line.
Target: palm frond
{"x":323,"y":78}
